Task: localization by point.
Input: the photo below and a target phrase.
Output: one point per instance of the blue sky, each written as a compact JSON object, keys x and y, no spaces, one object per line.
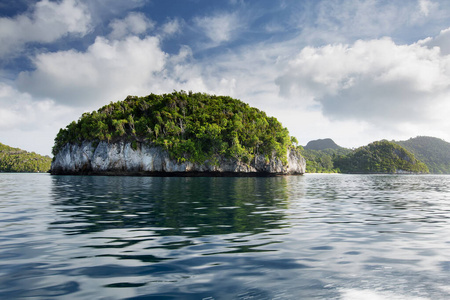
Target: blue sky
{"x":355,"y":71}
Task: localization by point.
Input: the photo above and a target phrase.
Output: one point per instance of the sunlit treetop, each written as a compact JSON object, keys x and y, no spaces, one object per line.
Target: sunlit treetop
{"x":191,"y":126}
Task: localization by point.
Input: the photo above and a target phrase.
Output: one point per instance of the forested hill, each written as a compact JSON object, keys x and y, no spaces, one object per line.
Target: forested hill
{"x":322,"y":144}
{"x":191,"y":126}
{"x":434,"y":152}
{"x":320,"y":155}
{"x":380,"y":157}
{"x":17,"y":160}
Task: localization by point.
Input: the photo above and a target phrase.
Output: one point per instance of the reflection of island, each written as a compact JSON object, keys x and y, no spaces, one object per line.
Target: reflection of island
{"x":169,"y":206}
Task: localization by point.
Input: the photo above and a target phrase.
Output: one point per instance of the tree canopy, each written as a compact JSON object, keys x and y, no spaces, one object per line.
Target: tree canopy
{"x":18,"y":160}
{"x":191,"y":126}
{"x":380,"y":157}
{"x":322,"y":144}
{"x":434,"y":152}
{"x":322,"y":161}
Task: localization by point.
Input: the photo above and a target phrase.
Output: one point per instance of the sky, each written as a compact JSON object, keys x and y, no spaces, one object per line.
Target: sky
{"x":355,"y":71}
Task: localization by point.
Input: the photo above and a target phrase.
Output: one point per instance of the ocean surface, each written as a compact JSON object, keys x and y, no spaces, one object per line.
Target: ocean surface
{"x":298,"y":237}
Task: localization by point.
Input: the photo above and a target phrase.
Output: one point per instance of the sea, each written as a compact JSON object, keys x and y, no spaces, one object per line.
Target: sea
{"x":316,"y":236}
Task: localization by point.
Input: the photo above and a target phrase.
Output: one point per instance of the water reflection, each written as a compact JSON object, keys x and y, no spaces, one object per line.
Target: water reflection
{"x":171,"y":206}
{"x":311,"y":237}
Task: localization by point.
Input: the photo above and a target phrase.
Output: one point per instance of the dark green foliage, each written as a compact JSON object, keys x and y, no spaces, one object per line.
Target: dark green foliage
{"x":434,"y":152}
{"x":17,"y":160}
{"x":322,"y":161}
{"x":380,"y":157}
{"x":191,"y":126}
{"x":320,"y":155}
{"x":322,"y":144}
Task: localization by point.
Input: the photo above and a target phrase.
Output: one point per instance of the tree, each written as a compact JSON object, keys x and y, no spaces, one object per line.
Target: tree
{"x":192,"y":126}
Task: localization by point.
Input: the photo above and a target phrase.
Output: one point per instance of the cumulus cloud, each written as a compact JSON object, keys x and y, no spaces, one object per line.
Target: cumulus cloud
{"x":106,"y":71}
{"x":19,"y":109}
{"x":376,"y":81}
{"x":219,"y":28}
{"x":171,"y":27}
{"x":22,"y":120}
{"x":48,"y":22}
{"x":133,"y":24}
{"x":442,"y":41}
{"x":340,"y":88}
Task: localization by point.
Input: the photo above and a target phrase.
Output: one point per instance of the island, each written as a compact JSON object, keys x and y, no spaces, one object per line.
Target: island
{"x":380,"y":157}
{"x":321,"y":154}
{"x":176,"y":134}
{"x":16,"y":160}
{"x":434,"y":152}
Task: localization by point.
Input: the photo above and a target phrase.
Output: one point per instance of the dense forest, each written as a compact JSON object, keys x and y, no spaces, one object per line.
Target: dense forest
{"x":191,"y":126}
{"x":434,"y":152}
{"x":17,"y":160}
{"x":322,"y":144}
{"x":414,"y":155}
{"x":380,"y":157}
{"x":322,"y":161}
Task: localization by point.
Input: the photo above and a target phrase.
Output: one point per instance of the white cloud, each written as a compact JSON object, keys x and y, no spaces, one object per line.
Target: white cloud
{"x":353,"y":92}
{"x":133,"y":24}
{"x":107,"y":71}
{"x":442,"y":41}
{"x":353,"y":17}
{"x":426,"y":6}
{"x":343,"y":21}
{"x":110,"y":70}
{"x":219,"y":28}
{"x":22,"y":116}
{"x":21,"y":110}
{"x":182,"y":72}
{"x":171,"y":27}
{"x":48,"y":22}
{"x":375,"y":81}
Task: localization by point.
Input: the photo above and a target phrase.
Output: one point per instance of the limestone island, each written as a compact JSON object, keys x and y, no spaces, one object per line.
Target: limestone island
{"x":381,"y":157}
{"x":177,"y":134}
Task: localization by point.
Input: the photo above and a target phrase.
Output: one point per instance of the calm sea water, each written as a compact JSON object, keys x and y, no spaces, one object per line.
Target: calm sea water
{"x":300,"y":237}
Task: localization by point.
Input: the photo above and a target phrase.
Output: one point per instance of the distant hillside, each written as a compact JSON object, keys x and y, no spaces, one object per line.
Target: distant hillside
{"x":320,"y":155}
{"x":380,"y":157}
{"x":321,"y":144}
{"x":17,"y":160}
{"x":322,"y":161}
{"x":434,"y":152}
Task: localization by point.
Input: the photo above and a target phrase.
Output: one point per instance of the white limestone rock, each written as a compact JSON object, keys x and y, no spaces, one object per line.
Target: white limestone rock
{"x":121,"y":159}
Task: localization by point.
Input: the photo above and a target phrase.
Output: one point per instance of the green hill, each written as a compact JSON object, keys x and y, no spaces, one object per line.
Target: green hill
{"x":434,"y":152}
{"x":17,"y":160}
{"x":320,"y":155}
{"x":321,"y":144}
{"x":191,"y":126}
{"x":322,"y":161}
{"x":380,"y":157}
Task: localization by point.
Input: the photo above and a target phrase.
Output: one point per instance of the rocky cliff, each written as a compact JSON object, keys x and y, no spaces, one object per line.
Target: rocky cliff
{"x":121,"y":158}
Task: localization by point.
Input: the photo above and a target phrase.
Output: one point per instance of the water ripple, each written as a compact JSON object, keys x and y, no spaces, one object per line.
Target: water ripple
{"x":315,"y":236}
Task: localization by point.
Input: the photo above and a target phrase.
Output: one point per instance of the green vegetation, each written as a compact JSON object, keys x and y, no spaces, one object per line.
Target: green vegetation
{"x":325,"y":156}
{"x":322,"y":161}
{"x":320,"y":155}
{"x":191,"y":126}
{"x":322,"y":144}
{"x":17,"y":160}
{"x":380,"y":157}
{"x":434,"y":152}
